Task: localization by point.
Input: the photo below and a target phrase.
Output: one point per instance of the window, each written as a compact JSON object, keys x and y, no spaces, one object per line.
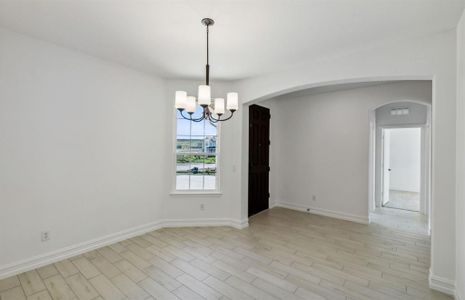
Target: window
{"x":196,"y":154}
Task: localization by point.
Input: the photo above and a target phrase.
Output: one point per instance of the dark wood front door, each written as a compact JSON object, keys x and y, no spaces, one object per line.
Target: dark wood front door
{"x":259,"y":158}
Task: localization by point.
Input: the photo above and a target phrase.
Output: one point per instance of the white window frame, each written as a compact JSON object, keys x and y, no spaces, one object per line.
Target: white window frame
{"x":217,"y":190}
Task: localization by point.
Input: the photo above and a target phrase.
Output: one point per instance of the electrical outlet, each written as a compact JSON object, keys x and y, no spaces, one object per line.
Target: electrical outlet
{"x":313,"y":197}
{"x":45,"y":236}
{"x":202,"y":206}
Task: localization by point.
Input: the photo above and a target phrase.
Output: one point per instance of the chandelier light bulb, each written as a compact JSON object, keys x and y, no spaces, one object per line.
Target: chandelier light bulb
{"x":204,"y":95}
{"x":190,"y":105}
{"x":233,"y":101}
{"x":180,"y":99}
{"x":219,"y":106}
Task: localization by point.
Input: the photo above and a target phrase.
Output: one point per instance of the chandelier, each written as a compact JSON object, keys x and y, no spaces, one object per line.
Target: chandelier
{"x":213,"y":112}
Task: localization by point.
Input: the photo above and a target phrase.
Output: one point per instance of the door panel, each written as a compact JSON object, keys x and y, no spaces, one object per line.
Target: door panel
{"x":386,"y":166}
{"x":259,"y":158}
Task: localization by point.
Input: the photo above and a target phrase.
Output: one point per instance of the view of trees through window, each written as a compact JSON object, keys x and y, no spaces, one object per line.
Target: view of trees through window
{"x":196,"y":154}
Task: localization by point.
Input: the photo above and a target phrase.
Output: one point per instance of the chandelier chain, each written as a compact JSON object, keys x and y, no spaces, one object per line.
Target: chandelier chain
{"x":207,"y":67}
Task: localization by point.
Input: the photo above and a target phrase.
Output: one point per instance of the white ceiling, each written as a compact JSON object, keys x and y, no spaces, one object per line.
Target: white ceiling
{"x":250,"y":37}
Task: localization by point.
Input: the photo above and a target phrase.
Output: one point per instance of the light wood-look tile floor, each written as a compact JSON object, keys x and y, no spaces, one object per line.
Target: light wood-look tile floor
{"x":284,"y":254}
{"x":402,"y":220}
{"x":404,"y":200}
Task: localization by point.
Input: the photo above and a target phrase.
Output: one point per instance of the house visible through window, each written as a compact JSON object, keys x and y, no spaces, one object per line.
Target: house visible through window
{"x":196,"y":154}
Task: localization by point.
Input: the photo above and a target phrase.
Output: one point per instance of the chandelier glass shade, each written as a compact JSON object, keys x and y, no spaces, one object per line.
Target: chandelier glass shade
{"x":213,"y":111}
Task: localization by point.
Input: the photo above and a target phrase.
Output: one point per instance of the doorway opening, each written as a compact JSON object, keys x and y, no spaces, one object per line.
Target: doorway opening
{"x":401,"y":165}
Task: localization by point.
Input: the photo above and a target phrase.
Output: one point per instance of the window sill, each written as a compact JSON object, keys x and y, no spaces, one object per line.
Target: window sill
{"x":196,"y":193}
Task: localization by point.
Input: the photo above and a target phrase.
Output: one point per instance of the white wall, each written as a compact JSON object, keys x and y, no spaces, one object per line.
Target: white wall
{"x":405,"y":159}
{"x":460,"y":186}
{"x":431,"y":57}
{"x":321,"y":142}
{"x":81,"y":150}
{"x":87,"y":152}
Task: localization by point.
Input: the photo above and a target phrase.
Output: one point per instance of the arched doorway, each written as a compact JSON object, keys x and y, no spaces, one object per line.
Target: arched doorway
{"x":400,"y":165}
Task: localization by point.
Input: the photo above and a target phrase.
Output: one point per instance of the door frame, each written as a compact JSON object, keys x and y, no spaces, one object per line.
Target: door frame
{"x":426,"y":159}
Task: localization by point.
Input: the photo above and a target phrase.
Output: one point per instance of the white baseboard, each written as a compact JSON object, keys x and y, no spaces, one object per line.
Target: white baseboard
{"x":70,"y":251}
{"x":457,"y":295}
{"x":442,"y":284}
{"x":238,"y":224}
{"x":324,"y":212}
